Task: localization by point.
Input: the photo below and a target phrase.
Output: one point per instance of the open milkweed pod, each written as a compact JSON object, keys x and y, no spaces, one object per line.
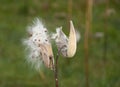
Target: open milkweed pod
{"x":61,"y":41}
{"x":40,"y":49}
{"x":47,"y":55}
{"x":72,"y":43}
{"x":66,"y":46}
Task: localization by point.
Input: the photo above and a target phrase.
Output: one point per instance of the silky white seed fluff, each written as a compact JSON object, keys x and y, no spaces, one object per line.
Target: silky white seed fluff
{"x":38,"y":36}
{"x":59,"y":35}
{"x":61,"y":41}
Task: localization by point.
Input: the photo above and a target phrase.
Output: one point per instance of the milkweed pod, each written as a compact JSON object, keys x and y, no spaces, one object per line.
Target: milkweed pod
{"x":39,"y":46}
{"x":66,"y":46}
{"x":72,"y":43}
{"x":47,"y":55}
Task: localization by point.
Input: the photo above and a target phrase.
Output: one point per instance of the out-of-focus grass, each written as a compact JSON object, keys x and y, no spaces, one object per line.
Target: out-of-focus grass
{"x":15,"y":72}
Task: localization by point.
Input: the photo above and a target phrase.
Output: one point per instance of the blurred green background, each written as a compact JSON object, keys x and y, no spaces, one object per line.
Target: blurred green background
{"x":16,"y":15}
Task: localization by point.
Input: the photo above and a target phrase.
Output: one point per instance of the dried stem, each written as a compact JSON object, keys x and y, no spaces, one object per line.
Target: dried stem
{"x":56,"y":68}
{"x":86,"y":47}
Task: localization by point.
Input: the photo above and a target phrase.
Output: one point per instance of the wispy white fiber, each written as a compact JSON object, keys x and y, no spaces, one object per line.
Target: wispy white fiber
{"x":61,"y":40}
{"x":38,"y":37}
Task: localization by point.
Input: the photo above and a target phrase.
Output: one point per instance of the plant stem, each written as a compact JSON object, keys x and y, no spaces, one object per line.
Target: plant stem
{"x":86,"y":40}
{"x":56,"y":69}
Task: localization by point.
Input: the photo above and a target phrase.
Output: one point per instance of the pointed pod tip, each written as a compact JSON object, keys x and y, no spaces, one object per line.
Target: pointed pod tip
{"x":71,"y":21}
{"x":72,"y":41}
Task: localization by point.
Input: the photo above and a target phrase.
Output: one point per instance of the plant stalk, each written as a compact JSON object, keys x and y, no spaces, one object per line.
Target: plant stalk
{"x":56,"y":69}
{"x":86,"y":40}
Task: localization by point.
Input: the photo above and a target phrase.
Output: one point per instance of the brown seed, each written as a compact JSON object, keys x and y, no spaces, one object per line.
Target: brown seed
{"x":45,"y":30}
{"x":40,"y":53}
{"x":38,"y":45}
{"x":50,"y":57}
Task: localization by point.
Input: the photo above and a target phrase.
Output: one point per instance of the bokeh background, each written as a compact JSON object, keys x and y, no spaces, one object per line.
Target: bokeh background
{"x":16,"y":15}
